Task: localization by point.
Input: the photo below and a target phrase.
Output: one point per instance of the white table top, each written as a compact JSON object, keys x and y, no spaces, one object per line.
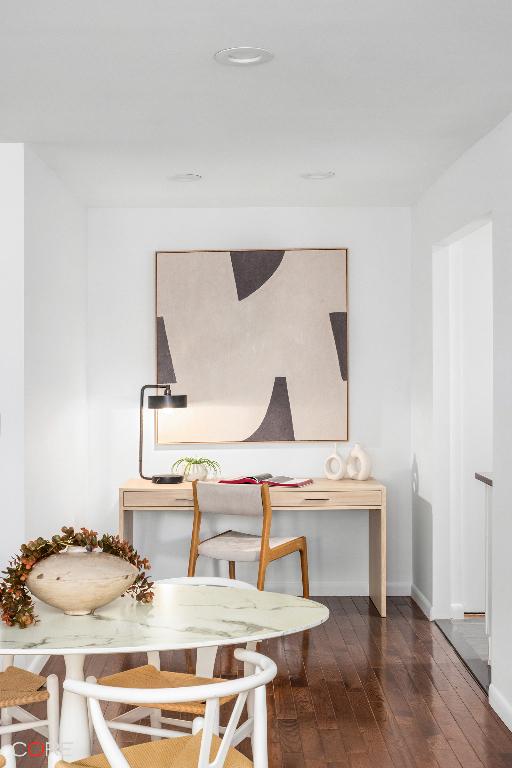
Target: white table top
{"x":181,"y":616}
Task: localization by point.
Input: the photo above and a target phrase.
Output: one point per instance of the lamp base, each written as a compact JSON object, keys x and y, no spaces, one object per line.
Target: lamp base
{"x":167,"y":479}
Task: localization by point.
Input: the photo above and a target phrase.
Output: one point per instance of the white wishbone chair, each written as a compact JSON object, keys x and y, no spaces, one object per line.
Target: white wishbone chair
{"x":202,"y":749}
{"x":151,"y":675}
{"x":19,"y":688}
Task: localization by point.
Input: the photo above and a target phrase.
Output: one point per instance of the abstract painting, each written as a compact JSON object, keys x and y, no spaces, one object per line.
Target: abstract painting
{"x":257,"y":339}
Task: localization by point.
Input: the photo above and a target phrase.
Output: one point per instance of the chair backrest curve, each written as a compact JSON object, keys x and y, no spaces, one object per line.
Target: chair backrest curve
{"x":265,"y":671}
{"x":224,"y":499}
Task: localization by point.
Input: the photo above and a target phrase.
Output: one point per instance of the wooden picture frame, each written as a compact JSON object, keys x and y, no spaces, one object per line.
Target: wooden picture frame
{"x":258,"y":340}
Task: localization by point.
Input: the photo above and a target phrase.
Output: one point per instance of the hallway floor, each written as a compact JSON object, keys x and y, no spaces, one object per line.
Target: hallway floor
{"x":364,"y":692}
{"x":470,"y":641}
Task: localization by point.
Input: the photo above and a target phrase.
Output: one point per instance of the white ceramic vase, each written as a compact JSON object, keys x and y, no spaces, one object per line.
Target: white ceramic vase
{"x":359,"y":464}
{"x":196,"y":472}
{"x":78,"y":581}
{"x":335,"y":467}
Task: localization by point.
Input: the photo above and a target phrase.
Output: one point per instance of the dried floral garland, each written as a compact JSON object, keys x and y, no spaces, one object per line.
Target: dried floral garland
{"x":16,"y":602}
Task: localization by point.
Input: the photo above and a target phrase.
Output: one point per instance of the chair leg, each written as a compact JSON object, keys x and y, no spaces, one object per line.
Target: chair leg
{"x":6,"y":719}
{"x":259,"y":734}
{"x":52,"y":686}
{"x":197,"y":725}
{"x":303,"y":551}
{"x":10,"y":758}
{"x":232,"y":570}
{"x":192,"y":566}
{"x":249,"y":670}
{"x":5,"y":715}
{"x":154,"y":659}
{"x":155,"y":717}
{"x":261,"y":574}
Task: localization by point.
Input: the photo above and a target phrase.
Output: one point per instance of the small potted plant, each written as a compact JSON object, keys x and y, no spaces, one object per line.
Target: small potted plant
{"x":196,"y":468}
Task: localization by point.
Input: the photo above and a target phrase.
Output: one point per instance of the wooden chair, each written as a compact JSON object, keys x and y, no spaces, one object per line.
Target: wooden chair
{"x":234,"y":546}
{"x":202,"y":749}
{"x":151,"y":676}
{"x":18,"y":688}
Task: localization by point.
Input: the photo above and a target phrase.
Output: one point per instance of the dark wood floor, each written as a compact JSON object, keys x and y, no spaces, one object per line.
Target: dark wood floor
{"x":363,"y":692}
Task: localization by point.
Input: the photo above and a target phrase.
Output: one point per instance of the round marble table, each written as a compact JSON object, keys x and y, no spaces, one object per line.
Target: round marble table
{"x":181,"y":616}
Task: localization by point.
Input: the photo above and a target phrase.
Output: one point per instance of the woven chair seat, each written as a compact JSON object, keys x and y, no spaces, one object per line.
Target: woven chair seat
{"x":19,"y":687}
{"x":150,"y":677}
{"x":180,"y":752}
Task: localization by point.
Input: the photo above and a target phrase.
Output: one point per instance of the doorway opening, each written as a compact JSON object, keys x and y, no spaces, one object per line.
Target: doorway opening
{"x":463,"y":440}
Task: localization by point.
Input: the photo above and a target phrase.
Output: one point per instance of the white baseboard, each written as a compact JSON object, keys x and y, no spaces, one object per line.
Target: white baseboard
{"x":336,"y":588}
{"x":501,"y":705}
{"x":422,"y":602}
{"x":399,"y":589}
{"x":457,"y":611}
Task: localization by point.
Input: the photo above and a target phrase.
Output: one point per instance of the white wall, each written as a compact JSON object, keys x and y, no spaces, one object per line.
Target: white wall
{"x":55,"y":352}
{"x":121,"y":355}
{"x":478,"y":184}
{"x":12,"y":519}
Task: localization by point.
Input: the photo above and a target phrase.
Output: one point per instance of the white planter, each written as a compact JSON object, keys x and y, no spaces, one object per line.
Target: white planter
{"x":335,"y":467}
{"x":359,"y":464}
{"x":196,"y":472}
{"x":77,"y":581}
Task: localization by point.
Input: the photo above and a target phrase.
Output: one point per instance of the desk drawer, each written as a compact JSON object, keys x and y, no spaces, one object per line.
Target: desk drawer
{"x":167,"y":498}
{"x":282,"y":498}
{"x":319,"y":499}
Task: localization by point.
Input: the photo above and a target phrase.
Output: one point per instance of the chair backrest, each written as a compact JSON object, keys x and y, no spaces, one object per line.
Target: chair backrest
{"x":225,"y":499}
{"x":264,"y":671}
{"x":207,"y":581}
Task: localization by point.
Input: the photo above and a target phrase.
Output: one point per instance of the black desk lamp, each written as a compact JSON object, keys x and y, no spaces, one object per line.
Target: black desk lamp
{"x":167,"y":400}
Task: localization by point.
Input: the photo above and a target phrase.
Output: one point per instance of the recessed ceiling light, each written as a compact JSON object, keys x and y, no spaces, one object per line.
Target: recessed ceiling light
{"x":318,"y":175}
{"x":243,"y":56}
{"x":185,"y":177}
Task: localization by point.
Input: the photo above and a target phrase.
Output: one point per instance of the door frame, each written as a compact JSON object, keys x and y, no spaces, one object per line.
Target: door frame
{"x":447,"y":540}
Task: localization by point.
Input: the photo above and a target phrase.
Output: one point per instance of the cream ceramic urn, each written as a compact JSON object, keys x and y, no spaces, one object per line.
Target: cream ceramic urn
{"x":78,"y":581}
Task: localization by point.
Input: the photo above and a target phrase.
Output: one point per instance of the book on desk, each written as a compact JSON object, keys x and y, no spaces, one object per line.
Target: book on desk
{"x":271,"y":480}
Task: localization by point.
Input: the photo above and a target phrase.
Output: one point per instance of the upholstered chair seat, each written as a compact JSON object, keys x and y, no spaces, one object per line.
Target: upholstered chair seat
{"x":238,"y":547}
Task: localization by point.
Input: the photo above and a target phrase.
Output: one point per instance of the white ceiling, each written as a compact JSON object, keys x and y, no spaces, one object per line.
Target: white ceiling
{"x":120,"y":94}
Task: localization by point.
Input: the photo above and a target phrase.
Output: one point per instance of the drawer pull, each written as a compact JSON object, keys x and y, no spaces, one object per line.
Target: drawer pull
{"x":316,"y":499}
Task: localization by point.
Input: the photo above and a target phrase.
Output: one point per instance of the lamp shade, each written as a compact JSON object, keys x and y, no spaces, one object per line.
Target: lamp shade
{"x":167,"y":401}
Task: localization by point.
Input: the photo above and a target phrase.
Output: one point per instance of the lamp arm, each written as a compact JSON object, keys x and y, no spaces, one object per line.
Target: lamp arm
{"x":141,"y":422}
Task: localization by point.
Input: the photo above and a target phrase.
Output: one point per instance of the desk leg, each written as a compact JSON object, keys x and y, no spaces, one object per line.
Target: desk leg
{"x":75,"y":743}
{"x":377,"y":563}
{"x":125,"y":522}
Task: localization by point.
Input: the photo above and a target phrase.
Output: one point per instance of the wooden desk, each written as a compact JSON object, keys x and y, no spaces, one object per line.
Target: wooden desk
{"x":367,"y":495}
